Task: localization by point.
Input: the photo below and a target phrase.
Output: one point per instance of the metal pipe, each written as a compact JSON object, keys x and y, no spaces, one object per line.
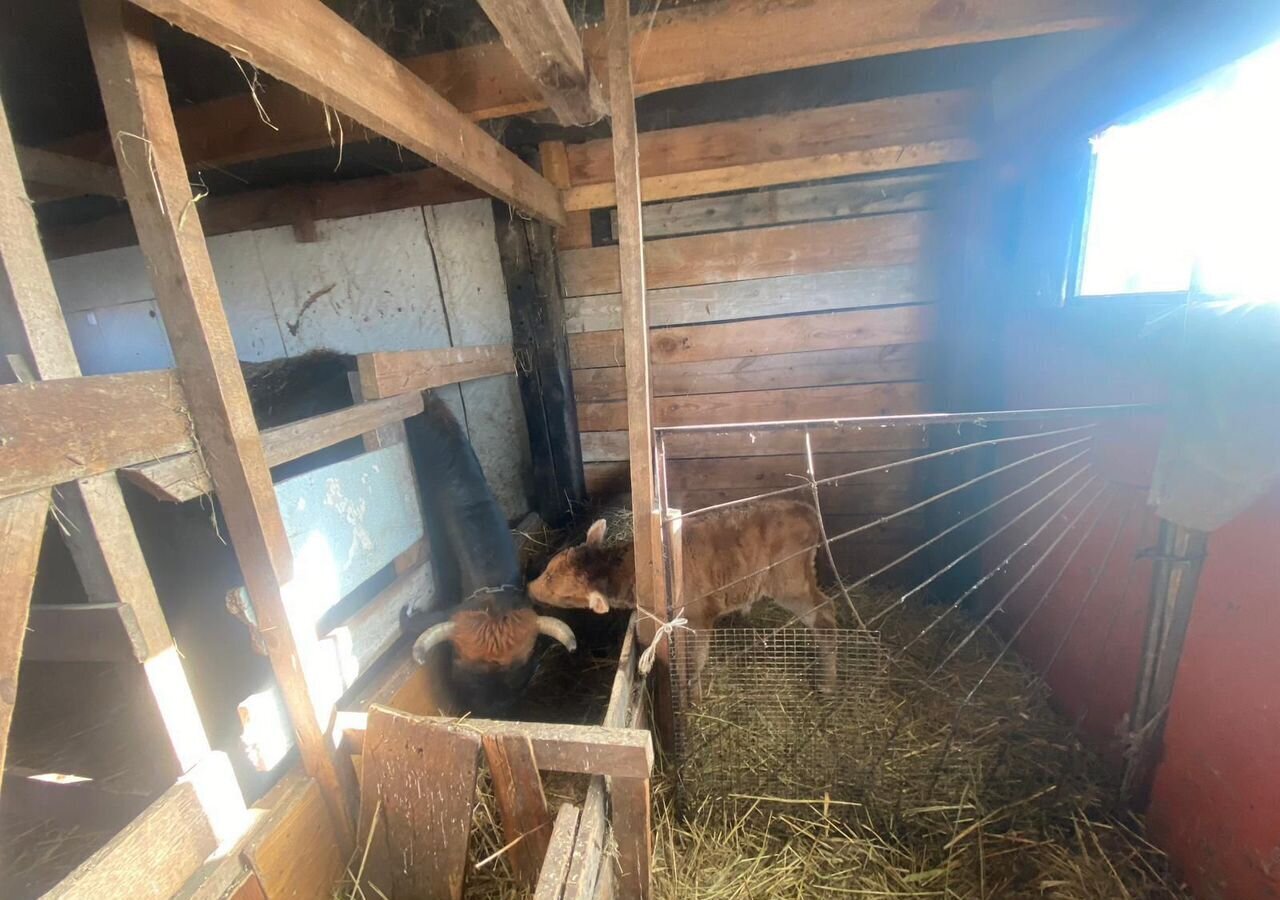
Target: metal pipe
{"x":974,"y":418}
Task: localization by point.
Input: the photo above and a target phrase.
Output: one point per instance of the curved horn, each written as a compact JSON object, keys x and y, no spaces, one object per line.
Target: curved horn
{"x":554,"y":628}
{"x":436,"y":634}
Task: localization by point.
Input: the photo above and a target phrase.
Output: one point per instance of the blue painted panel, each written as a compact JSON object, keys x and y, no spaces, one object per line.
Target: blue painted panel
{"x":345,"y":521}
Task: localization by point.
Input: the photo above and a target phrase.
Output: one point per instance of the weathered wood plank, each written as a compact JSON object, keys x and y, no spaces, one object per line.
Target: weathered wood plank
{"x":765,"y":406}
{"x":763,"y":472}
{"x":156,"y":852}
{"x":615,"y":715}
{"x":607,"y":446}
{"x":806,"y":145}
{"x":782,"y":206}
{"x":386,"y":373}
{"x":72,"y":428}
{"x":541,"y":36}
{"x":763,"y":337}
{"x":183,"y":477}
{"x":682,"y":46}
{"x":756,"y":297}
{"x":273,"y":207}
{"x":629,"y":799}
{"x":160,"y":199}
{"x":372,"y":630}
{"x":587,"y":860}
{"x":870,"y":241}
{"x":821,"y":368}
{"x":295,"y":852}
{"x":69,"y":176}
{"x":22,"y":520}
{"x":536,"y":306}
{"x":84,"y":632}
{"x":410,"y":806}
{"x":522,"y":805}
{"x":317,"y":51}
{"x":555,"y":867}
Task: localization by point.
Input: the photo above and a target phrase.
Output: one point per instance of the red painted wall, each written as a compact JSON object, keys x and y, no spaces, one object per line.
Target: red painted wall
{"x":1215,"y":804}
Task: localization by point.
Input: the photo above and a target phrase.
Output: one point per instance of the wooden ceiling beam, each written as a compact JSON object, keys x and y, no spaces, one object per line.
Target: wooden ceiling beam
{"x":314,"y":49}
{"x":52,"y":175}
{"x":543,"y":40}
{"x":674,"y":48}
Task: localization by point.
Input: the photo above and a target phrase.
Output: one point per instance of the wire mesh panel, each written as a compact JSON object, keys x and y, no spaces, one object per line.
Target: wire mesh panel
{"x":765,"y":719}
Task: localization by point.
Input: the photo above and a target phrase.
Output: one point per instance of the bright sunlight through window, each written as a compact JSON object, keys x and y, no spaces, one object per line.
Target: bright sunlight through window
{"x":1188,"y":198}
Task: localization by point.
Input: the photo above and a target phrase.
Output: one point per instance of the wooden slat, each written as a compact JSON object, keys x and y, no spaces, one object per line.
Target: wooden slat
{"x":183,"y":477}
{"x":870,"y":241}
{"x":758,"y":471}
{"x":386,"y":373}
{"x":69,"y":176}
{"x":806,"y":145}
{"x":84,"y":632}
{"x":763,"y":337}
{"x":756,"y":297}
{"x":629,"y":799}
{"x":682,"y":46}
{"x":541,"y":36}
{"x":418,"y":791}
{"x":522,"y":805}
{"x":72,"y":428}
{"x":272,"y":207}
{"x":22,"y":520}
{"x":607,"y":446}
{"x":821,"y":368}
{"x":615,"y":714}
{"x":782,"y":206}
{"x":317,"y":51}
{"x":295,"y":852}
{"x":764,"y":406}
{"x":555,"y":867}
{"x":857,"y":499}
{"x":576,"y":749}
{"x":155,"y":179}
{"x":156,"y":852}
{"x":373,"y":630}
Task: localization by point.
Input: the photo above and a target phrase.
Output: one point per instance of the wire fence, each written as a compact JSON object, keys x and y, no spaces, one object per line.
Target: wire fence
{"x":1003,"y":516}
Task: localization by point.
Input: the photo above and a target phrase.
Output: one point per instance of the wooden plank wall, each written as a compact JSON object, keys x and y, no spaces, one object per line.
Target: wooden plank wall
{"x":792,"y":301}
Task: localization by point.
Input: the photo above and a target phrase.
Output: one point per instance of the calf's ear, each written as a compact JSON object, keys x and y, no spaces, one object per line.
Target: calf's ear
{"x":595,"y":534}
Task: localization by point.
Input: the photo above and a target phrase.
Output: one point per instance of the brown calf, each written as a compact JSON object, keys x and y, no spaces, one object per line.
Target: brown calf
{"x":732,"y":558}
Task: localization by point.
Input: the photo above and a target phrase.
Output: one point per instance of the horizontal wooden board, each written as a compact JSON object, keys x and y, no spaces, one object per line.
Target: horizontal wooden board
{"x":789,"y":135}
{"x":756,"y":297}
{"x":762,"y":337}
{"x":802,"y":145}
{"x":782,"y":206}
{"x":763,"y":406}
{"x":756,"y":471}
{"x":386,"y":373}
{"x":53,"y":432}
{"x":868,"y":241}
{"x":857,"y":499}
{"x":606,"y":446}
{"x":821,"y":368}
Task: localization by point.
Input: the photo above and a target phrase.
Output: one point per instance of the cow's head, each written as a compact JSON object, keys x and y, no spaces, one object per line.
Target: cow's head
{"x":588,"y":576}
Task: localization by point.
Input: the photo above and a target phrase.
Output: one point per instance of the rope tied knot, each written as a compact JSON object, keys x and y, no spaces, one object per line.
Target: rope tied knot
{"x":664,"y":628}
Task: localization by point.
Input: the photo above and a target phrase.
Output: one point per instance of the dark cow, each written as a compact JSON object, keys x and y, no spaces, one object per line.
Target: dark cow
{"x":491,"y":626}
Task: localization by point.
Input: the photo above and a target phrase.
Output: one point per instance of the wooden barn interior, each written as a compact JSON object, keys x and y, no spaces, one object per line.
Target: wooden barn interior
{"x":991,"y":284}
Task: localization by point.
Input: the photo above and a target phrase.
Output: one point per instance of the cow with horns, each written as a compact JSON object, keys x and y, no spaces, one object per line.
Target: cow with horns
{"x":483,"y":613}
{"x":732,"y":558}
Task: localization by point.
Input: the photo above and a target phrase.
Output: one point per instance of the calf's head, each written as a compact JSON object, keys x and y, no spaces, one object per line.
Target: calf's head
{"x":493,"y":640}
{"x":588,"y":576}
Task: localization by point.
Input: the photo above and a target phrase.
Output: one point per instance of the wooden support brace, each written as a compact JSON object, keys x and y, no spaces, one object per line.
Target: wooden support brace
{"x":69,"y":176}
{"x":168,"y":225}
{"x":555,"y":867}
{"x":522,"y":805}
{"x":629,"y":801}
{"x":21,"y":533}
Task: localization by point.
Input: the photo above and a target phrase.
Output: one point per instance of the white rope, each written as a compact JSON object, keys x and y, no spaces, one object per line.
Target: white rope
{"x":664,"y":629}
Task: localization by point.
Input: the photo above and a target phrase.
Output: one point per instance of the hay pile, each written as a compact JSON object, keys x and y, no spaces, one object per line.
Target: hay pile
{"x":1013,"y":806}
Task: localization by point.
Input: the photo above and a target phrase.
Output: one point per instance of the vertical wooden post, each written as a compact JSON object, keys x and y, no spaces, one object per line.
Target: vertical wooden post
{"x":630,"y":801}
{"x":21,"y":532}
{"x":101,"y":538}
{"x":635,"y":313}
{"x":164,"y":212}
{"x":542,"y":363}
{"x":522,"y":804}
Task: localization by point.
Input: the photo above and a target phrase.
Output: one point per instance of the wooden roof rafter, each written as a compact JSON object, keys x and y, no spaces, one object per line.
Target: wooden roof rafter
{"x":307,"y":45}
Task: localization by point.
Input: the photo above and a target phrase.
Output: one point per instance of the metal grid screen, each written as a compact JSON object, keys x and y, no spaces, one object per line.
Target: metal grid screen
{"x":762,"y":727}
